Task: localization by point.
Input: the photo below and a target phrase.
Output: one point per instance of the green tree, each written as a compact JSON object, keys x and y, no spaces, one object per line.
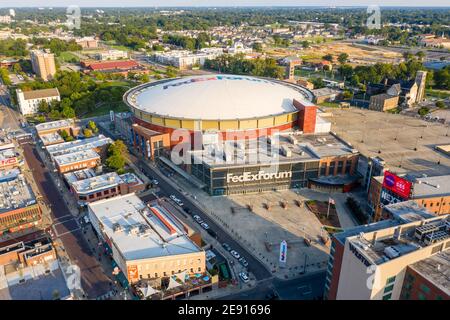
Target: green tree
{"x":342,"y":58}
{"x":87,"y":132}
{"x":43,"y":107}
{"x":116,"y":163}
{"x":171,"y":72}
{"x":318,"y":83}
{"x":92,"y":126}
{"x":257,"y":46}
{"x":328,"y":57}
{"x":68,"y":112}
{"x":305,"y":44}
{"x":420,"y":55}
{"x":440,"y":104}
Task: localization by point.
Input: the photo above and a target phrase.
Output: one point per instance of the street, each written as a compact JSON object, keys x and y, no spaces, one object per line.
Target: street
{"x":307,"y":287}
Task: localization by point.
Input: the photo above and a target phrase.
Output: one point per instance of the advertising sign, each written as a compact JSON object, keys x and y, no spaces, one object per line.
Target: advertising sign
{"x":8,"y":162}
{"x":397,"y":185}
{"x":283,"y":252}
{"x":133,"y":273}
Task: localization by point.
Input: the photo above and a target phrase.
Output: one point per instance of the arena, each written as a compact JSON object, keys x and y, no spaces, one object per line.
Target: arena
{"x":222,"y":103}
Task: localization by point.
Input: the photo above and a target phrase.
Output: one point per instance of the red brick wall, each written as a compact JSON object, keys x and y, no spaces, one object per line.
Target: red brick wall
{"x":306,"y":117}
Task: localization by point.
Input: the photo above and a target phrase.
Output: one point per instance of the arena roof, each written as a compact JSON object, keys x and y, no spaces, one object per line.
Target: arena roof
{"x":217,"y":97}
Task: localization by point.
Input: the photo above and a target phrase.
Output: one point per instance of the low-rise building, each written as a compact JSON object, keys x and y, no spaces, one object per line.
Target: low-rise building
{"x":184,"y":59}
{"x":55,"y":126}
{"x":30,"y":271}
{"x":325,"y":95}
{"x":49,"y":139}
{"x":29,"y":101}
{"x":8,"y":159}
{"x":383,"y":102}
{"x":87,"y":43}
{"x":76,"y":161}
{"x":98,"y":143}
{"x":19,"y":209}
{"x":111,"y":55}
{"x":146,"y":242}
{"x":373,"y":262}
{"x":105,"y":186}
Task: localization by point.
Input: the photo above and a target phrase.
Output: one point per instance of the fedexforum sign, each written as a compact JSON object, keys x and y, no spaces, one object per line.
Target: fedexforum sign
{"x":261,"y":175}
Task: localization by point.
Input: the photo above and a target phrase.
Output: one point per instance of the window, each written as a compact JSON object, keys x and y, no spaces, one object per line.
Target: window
{"x":387,"y":297}
{"x":91,"y":196}
{"x":390,"y":280}
{"x":106,"y":192}
{"x":99,"y":194}
{"x":199,"y":269}
{"x":431,"y":204}
{"x":424,"y":288}
{"x":388,"y":288}
{"x":156,"y":275}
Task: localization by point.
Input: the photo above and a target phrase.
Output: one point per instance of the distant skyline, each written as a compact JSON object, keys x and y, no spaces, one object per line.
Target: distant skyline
{"x":218,"y":3}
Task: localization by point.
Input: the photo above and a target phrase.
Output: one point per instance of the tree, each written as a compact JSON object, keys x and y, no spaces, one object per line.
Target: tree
{"x":87,"y":132}
{"x":440,"y":104}
{"x":318,"y":83}
{"x":305,"y":44}
{"x":68,"y":112}
{"x":346,"y":95}
{"x":342,"y":58}
{"x":43,"y":107}
{"x":257,"y":46}
{"x":423,"y":111}
{"x":171,"y":72}
{"x":420,"y":55}
{"x":328,"y":57}
{"x":116,"y":163}
{"x":92,"y":126}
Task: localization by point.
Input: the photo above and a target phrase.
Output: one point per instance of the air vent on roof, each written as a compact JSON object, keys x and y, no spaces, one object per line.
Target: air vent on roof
{"x":391,"y":252}
{"x":117,"y":227}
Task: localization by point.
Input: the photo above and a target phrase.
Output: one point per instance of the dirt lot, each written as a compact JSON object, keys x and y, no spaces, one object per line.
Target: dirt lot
{"x":358,"y":54}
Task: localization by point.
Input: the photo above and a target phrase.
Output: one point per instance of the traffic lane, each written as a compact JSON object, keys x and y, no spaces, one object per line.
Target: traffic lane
{"x":308,"y":287}
{"x":94,"y":282}
{"x":255,"y":266}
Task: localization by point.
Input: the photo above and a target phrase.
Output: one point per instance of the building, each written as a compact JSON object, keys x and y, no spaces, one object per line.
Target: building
{"x":146,"y":242}
{"x":30,"y":271}
{"x":8,"y":159}
{"x":55,"y":126}
{"x":326,"y":95}
{"x":184,"y":59}
{"x":149,"y":143}
{"x":285,"y":161}
{"x":434,"y":42}
{"x":43,"y":64}
{"x":19,"y":209}
{"x":5,"y":19}
{"x":76,"y":161}
{"x":432,"y":193}
{"x":49,"y":139}
{"x":228,"y":105}
{"x":373,"y":262}
{"x":383,"y":102}
{"x":117,"y":67}
{"x":105,"y":186}
{"x":111,"y":55}
{"x":123,"y":122}
{"x":29,"y":101}
{"x":238,"y":47}
{"x":98,"y":143}
{"x":305,"y":83}
{"x":87,"y":43}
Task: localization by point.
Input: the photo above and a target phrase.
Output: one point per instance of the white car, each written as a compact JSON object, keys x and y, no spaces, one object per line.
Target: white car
{"x":235,"y":254}
{"x":173,"y":197}
{"x":205,"y":226}
{"x":244,"y":277}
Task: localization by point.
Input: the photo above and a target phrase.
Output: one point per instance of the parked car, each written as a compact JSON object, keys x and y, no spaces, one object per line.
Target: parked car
{"x":243,"y":261}
{"x":196,"y":217}
{"x":244,"y":277}
{"x":187,"y":210}
{"x":172,"y":197}
{"x":205,"y":226}
{"x":212,"y":233}
{"x":226,"y":246}
{"x":155,"y":182}
{"x":235,"y":254}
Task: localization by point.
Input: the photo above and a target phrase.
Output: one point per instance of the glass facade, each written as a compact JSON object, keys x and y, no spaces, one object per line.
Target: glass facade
{"x":255,"y":179}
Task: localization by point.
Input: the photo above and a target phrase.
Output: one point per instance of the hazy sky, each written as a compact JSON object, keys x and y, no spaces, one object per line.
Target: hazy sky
{"x":129,"y":3}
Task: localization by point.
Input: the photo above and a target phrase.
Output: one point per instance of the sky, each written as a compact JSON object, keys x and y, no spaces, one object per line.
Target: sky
{"x":152,"y":3}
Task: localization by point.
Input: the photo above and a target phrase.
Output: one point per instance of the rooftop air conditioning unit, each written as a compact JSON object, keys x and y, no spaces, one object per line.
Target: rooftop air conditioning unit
{"x":391,"y":252}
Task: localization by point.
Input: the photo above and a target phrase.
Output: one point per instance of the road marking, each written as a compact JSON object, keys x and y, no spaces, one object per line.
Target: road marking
{"x":71,"y":231}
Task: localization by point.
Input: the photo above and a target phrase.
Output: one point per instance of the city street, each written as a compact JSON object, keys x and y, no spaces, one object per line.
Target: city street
{"x":93,"y":279}
{"x":307,"y":287}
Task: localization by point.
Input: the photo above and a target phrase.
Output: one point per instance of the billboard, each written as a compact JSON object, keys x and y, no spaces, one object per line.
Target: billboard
{"x":397,"y":185}
{"x":8,"y":162}
{"x":133,"y":274}
{"x":283,"y":252}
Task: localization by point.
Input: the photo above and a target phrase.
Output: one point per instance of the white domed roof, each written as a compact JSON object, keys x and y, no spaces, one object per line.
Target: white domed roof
{"x":216,"y":97}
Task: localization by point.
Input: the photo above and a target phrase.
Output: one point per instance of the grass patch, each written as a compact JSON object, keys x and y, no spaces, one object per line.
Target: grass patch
{"x":105,"y":108}
{"x":441,"y":94}
{"x":329,"y":104}
{"x":67,"y":56}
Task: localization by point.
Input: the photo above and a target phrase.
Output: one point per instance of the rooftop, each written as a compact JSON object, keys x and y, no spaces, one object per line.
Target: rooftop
{"x":396,"y":242}
{"x":79,"y":175}
{"x":408,"y":211}
{"x":75,"y":157}
{"x":131,"y":178}
{"x":431,"y":187}
{"x":436,"y":269}
{"x":40,"y":94}
{"x":395,"y":136}
{"x":15,"y":194}
{"x":97,"y":183}
{"x":140,"y":232}
{"x":292,"y":147}
{"x":54,"y":125}
{"x":51,"y":138}
{"x":233,"y":97}
{"x":78,"y":145}
{"x":7,"y":153}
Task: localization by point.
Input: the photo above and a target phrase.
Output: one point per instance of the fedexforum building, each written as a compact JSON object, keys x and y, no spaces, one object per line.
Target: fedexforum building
{"x":244,"y":134}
